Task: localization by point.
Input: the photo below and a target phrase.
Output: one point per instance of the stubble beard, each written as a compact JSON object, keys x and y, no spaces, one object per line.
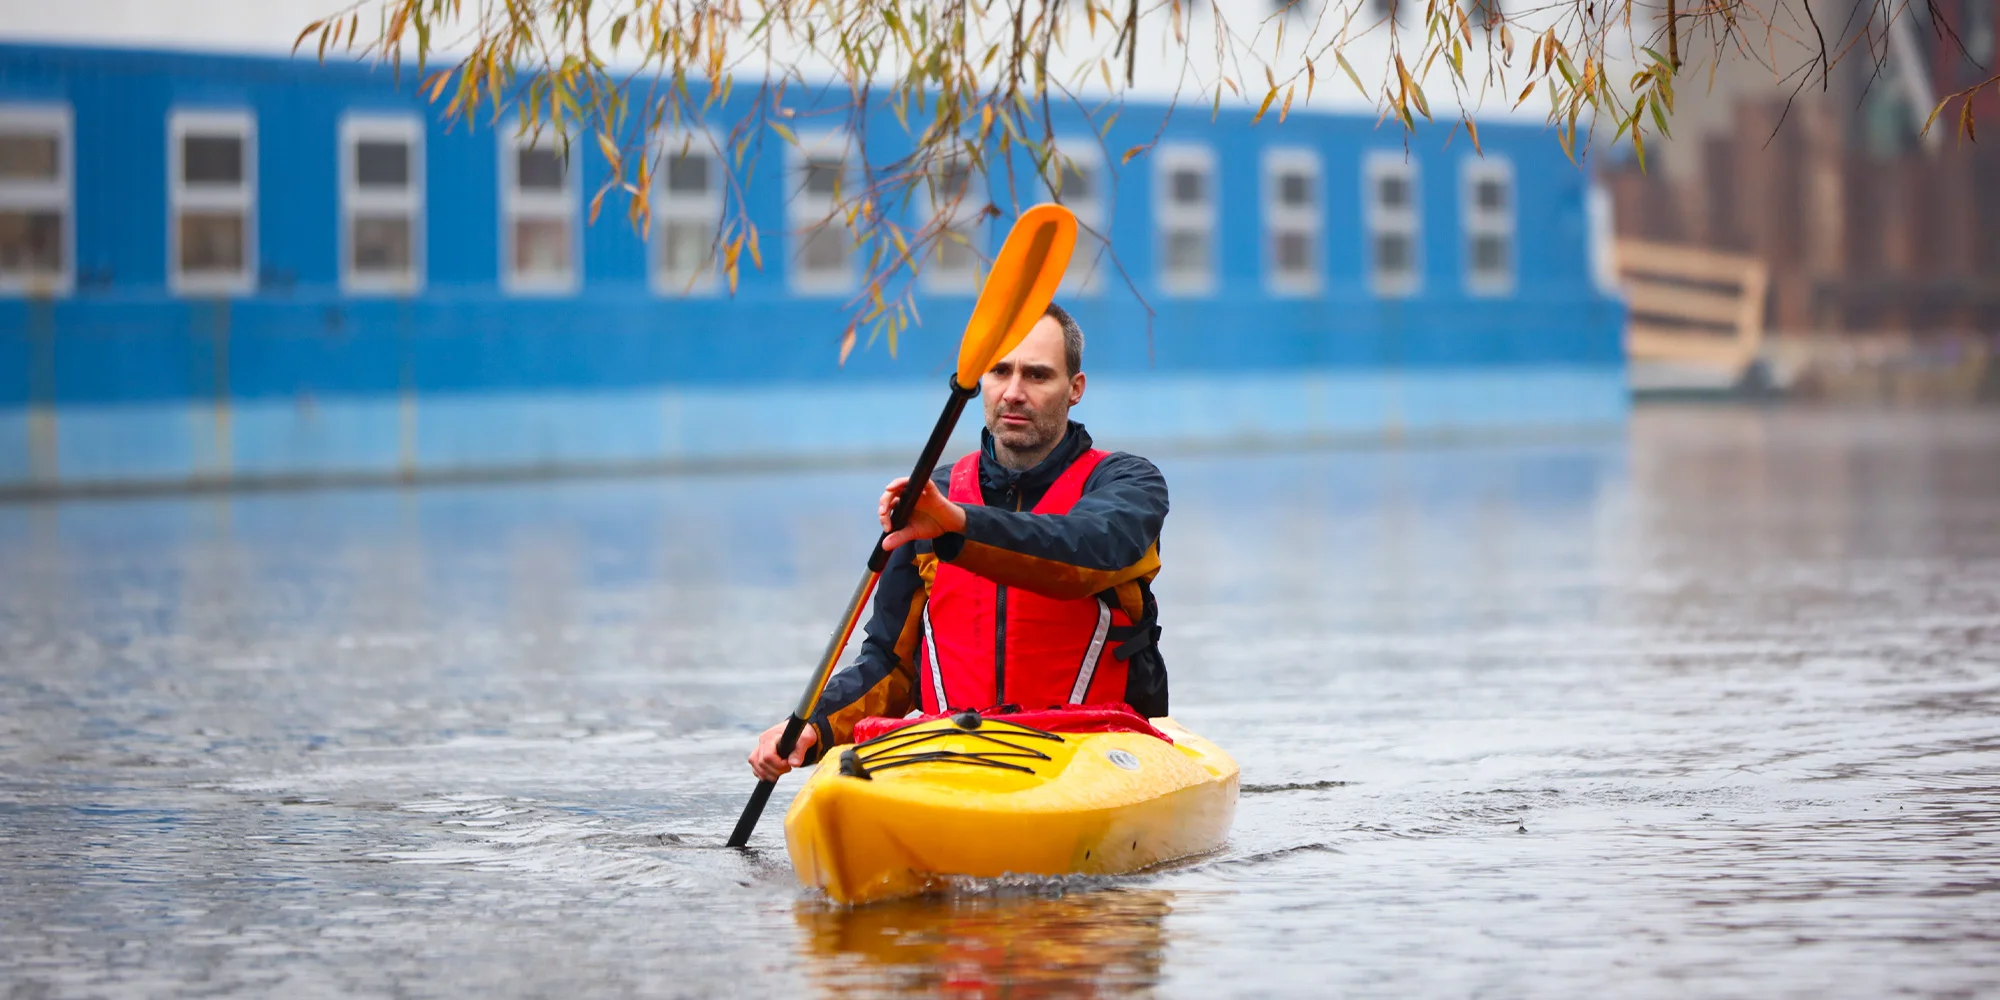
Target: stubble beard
{"x":1040,"y":436}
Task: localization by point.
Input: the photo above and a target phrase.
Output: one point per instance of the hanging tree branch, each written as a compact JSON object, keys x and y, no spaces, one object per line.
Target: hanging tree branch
{"x":970,"y":84}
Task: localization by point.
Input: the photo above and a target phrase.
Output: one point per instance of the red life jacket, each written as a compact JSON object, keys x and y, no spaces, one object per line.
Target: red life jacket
{"x":986,"y":644}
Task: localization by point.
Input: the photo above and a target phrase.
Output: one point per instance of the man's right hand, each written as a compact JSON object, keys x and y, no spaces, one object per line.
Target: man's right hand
{"x":765,"y":760}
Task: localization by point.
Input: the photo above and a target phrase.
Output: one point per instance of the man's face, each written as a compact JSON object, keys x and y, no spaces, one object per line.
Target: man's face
{"x":1029,"y":392}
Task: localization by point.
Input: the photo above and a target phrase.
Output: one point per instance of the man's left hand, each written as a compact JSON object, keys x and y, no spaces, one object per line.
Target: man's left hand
{"x":933,"y":516}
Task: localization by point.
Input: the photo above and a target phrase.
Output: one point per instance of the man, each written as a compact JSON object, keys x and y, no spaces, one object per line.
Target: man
{"x":1024,"y":576}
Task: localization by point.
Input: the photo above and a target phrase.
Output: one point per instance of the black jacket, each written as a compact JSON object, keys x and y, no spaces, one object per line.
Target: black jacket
{"x":1108,"y":544}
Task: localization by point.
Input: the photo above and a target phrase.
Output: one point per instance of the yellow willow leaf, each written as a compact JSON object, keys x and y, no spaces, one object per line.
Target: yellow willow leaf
{"x":610,"y":150}
{"x":784,"y":133}
{"x":1312,"y":76}
{"x":1266,"y":106}
{"x":1472,"y":129}
{"x":301,"y":40}
{"x":437,"y":83}
{"x":1286,"y":109}
{"x":1351,"y":75}
{"x":1130,"y":153}
{"x":1525,"y":91}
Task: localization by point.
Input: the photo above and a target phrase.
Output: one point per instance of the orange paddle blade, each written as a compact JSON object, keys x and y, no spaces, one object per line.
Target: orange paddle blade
{"x":1018,"y":289}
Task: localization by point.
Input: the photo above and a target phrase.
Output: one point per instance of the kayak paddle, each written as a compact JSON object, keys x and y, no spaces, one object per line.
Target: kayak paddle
{"x":1018,"y":290}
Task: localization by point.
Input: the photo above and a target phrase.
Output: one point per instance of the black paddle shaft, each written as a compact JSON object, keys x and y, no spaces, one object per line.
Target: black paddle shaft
{"x":921,"y":474}
{"x":877,"y":559}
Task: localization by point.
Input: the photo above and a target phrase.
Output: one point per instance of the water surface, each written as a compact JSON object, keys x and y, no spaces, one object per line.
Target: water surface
{"x":1711,"y":709}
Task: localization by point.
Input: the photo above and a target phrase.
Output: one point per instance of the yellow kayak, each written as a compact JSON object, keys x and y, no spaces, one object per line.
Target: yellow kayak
{"x":966,"y":796}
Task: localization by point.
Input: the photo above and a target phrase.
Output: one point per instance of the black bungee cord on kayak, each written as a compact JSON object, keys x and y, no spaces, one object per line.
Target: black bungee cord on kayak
{"x":893,"y":749}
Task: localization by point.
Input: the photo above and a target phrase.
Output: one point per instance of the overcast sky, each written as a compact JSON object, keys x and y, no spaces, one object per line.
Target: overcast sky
{"x":270,"y":26}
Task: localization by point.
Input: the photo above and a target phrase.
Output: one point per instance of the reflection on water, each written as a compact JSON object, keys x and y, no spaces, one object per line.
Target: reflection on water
{"x":1023,"y":943}
{"x":1708,"y":711}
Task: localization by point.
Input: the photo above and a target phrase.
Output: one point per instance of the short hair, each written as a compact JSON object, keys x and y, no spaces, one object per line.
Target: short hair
{"x":1072,"y":337}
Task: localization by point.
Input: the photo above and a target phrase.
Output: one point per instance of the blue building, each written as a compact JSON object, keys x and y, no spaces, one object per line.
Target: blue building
{"x":238,"y":269}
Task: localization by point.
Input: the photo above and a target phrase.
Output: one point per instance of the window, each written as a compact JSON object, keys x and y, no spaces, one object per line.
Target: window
{"x":1488,"y":207}
{"x":1389,"y":195}
{"x":1292,"y":220}
{"x":1184,"y":209}
{"x":538,"y":202}
{"x":957,"y":194}
{"x":1081,"y":176}
{"x":1603,"y":238}
{"x":212,"y":169}
{"x":35,"y":200}
{"x":382,"y":203}
{"x":687,"y":213}
{"x":823,"y":252}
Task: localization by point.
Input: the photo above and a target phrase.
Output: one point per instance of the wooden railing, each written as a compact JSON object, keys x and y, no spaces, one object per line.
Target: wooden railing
{"x":1692,"y":306}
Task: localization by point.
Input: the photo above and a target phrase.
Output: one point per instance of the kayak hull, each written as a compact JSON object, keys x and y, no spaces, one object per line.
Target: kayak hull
{"x":1099,"y":804}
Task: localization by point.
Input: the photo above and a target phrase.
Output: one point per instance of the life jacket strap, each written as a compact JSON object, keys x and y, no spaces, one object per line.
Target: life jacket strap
{"x":1137,"y":637}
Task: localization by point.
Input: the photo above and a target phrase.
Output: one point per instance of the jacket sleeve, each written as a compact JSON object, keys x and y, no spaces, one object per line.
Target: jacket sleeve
{"x":882,"y":678}
{"x":1109,"y":538}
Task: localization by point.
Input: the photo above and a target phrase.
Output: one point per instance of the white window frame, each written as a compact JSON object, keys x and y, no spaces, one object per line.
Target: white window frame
{"x":516,"y":204}
{"x":58,"y":194}
{"x":667,"y":206}
{"x":804,"y":210}
{"x":1087,"y":265}
{"x":355,"y":200}
{"x":1479,"y":222}
{"x":1600,"y":214}
{"x":1281,"y":219}
{"x":181,"y":197}
{"x":1382,"y":220}
{"x":1168,"y":216}
{"x":966,"y":218}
